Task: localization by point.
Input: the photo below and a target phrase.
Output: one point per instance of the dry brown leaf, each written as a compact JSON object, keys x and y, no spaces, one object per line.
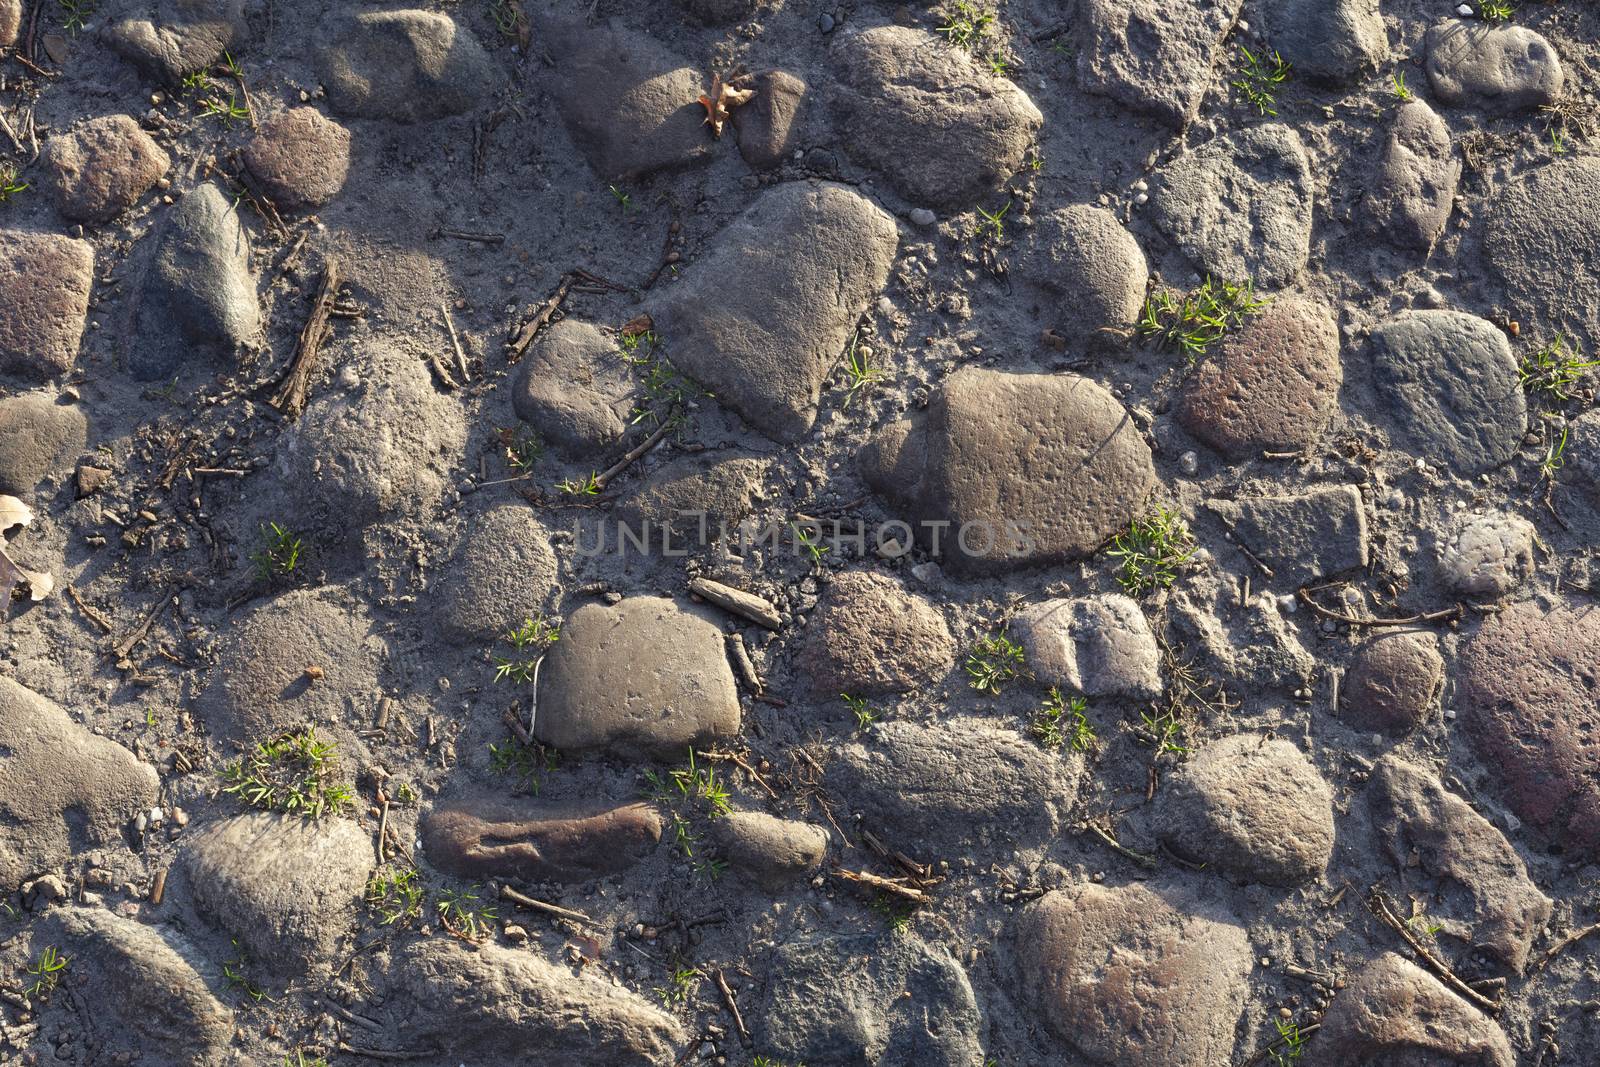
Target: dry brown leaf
{"x":720,"y":102}
{"x":40,"y":583}
{"x":13,"y":512}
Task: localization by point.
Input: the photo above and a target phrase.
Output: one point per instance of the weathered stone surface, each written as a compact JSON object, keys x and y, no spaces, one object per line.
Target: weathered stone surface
{"x":1332,"y":41}
{"x":1414,"y":188}
{"x":44,"y":289}
{"x":679,"y":689}
{"x":1239,"y":206}
{"x":1552,"y":215}
{"x":299,"y":158}
{"x":1394,"y":1012}
{"x":921,"y":111}
{"x":490,"y":1004}
{"x":169,"y":39}
{"x":1084,"y":254}
{"x":1530,"y":699}
{"x":1502,"y":68}
{"x":869,"y":637}
{"x":961,"y":781}
{"x":1037,"y":468}
{"x":488,"y":838}
{"x":38,"y":435}
{"x":100,"y":168}
{"x":388,"y":446}
{"x":1255,"y":647}
{"x":1253,"y":809}
{"x":808,"y":258}
{"x":1392,"y":681}
{"x":1488,"y":555}
{"x":1452,"y":381}
{"x":286,"y":889}
{"x":10,"y":21}
{"x":768,"y":123}
{"x":771,"y":851}
{"x":628,"y":103}
{"x":198,"y":294}
{"x":1583,"y":448}
{"x":1154,"y":56}
{"x":405,"y":66}
{"x":575,"y":389}
{"x":140,"y":989}
{"x":719,"y":12}
{"x":61,"y":787}
{"x":863,"y":999}
{"x":260,"y":688}
{"x":1305,"y":537}
{"x":720,"y":486}
{"x":1272,"y":384}
{"x":1097,"y":646}
{"x":1484,"y":895}
{"x":1133,"y":977}
{"x":502,"y":574}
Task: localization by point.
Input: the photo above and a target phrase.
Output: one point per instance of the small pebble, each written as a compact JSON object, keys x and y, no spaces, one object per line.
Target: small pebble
{"x":921,"y":216}
{"x":825,"y":22}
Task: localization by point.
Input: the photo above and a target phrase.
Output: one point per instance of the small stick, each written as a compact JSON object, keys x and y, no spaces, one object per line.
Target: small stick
{"x":383,"y":832}
{"x":634,"y":453}
{"x":385,"y":1054}
{"x":1378,"y":904}
{"x":158,"y":888}
{"x":123,"y":648}
{"x":350,"y":1016}
{"x":1443,"y":615}
{"x":385,"y":706}
{"x":507,"y":893}
{"x":1555,"y":950}
{"x":464,"y":235}
{"x":733,"y":1009}
{"x":293,"y":254}
{"x":233,"y":472}
{"x":887,"y":885}
{"x":89,"y":610}
{"x":290,"y":396}
{"x":1147,"y":862}
{"x":455,"y":341}
{"x":757,"y":609}
{"x":742,"y":661}
{"x":530,"y":330}
{"x":515,"y":726}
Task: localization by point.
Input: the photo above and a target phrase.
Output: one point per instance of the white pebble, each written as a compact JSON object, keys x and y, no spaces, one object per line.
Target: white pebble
{"x":1465,"y":11}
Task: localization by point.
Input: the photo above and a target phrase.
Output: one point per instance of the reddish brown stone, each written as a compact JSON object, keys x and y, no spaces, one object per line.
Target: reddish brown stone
{"x":10,"y":21}
{"x":300,"y":159}
{"x":1530,"y":697}
{"x":44,"y":294}
{"x":870,"y":637}
{"x":550,"y":844}
{"x":1391,"y":683}
{"x":1271,"y":385}
{"x":102,"y":167}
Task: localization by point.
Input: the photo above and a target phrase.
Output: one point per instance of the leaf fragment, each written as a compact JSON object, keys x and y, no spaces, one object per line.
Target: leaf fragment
{"x":720,"y":102}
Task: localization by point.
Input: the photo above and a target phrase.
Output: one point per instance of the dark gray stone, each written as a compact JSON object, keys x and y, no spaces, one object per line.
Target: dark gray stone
{"x":769,"y":122}
{"x":1154,"y":56}
{"x":38,"y":435}
{"x":1302,"y":538}
{"x":1414,"y":189}
{"x":773,"y":852}
{"x":502,"y":574}
{"x":169,"y":39}
{"x":575,"y":389}
{"x":1550,"y":215}
{"x":405,"y":66}
{"x":708,"y":492}
{"x":1497,"y":68}
{"x":1086,"y":256}
{"x":1332,"y":41}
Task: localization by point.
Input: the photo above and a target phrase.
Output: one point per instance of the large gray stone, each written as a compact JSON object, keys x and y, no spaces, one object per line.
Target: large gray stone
{"x":1395,"y":1013}
{"x":769,"y":123}
{"x":496,"y":839}
{"x":922,"y":111}
{"x":1392,"y":681}
{"x":198,"y":295}
{"x":1551,"y":215}
{"x":698,"y":496}
{"x":771,"y":851}
{"x":100,"y":168}
{"x":1414,"y":189}
{"x":808,"y":259}
{"x":869,"y":637}
{"x":502,"y":574}
{"x":1252,"y":809}
{"x":286,"y":889}
{"x":1086,"y":256}
{"x":62,"y":789}
{"x":1482,"y":893}
{"x":1154,"y":56}
{"x":1499,"y":68}
{"x":1239,"y":206}
{"x":38,"y":435}
{"x":1133,"y":976}
{"x":1488,"y":555}
{"x":1035,"y":468}
{"x":139,"y":988}
{"x":488,"y":1004}
{"x":1452,"y":384}
{"x":1305,"y":537}
{"x":169,"y":39}
{"x":645,"y":677}
{"x":1332,"y":41}
{"x":575,"y":389}
{"x":869,"y":1000}
{"x":44,"y":289}
{"x":406,"y":66}
{"x":1097,"y":646}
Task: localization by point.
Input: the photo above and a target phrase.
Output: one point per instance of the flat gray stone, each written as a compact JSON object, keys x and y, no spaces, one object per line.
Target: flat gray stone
{"x":1239,"y":206}
{"x":1097,"y":646}
{"x":1394,"y":1012}
{"x":1550,"y":215}
{"x":772,"y":852}
{"x":889,"y":999}
{"x":44,"y":286}
{"x":1084,"y":254}
{"x":299,"y":158}
{"x":62,"y":788}
{"x":1021,"y":469}
{"x":286,"y":889}
{"x":1583,"y":448}
{"x":488,"y":1004}
{"x":1154,"y":56}
{"x":100,"y":168}
{"x":809,"y":259}
{"x":198,"y":296}
{"x":575,"y":389}
{"x":1330,"y":41}
{"x":769,"y":123}
{"x":1482,"y":894}
{"x":1391,"y":684}
{"x":1497,"y":68}
{"x":645,"y":677}
{"x":1452,"y":383}
{"x":491,"y":838}
{"x":38,"y":435}
{"x":169,"y":39}
{"x":501,"y":575}
{"x":405,"y":66}
{"x":698,"y":497}
{"x":1305,"y":537}
{"x":1132,"y":976}
{"x":1414,"y":188}
{"x":1488,"y":555}
{"x":1251,"y":809}
{"x":869,"y":636}
{"x":923,"y":112}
